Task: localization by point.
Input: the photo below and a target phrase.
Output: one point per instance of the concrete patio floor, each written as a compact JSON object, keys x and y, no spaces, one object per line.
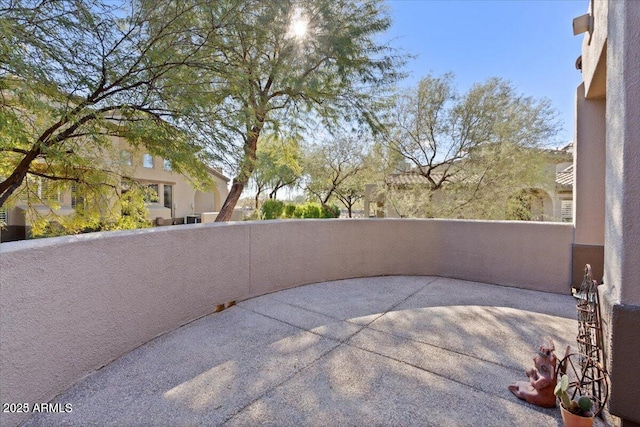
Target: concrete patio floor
{"x":392,"y":351}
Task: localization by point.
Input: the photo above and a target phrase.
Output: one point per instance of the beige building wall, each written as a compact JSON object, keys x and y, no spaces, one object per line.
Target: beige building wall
{"x":622,"y":233}
{"x":611,"y":70}
{"x":589,"y":185}
{"x":594,"y":50}
{"x":186,"y":199}
{"x":72,"y":304}
{"x":589,"y":169}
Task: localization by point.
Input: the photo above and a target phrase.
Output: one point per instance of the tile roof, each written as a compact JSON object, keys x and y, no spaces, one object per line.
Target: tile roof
{"x":408,"y":178}
{"x":565,"y":177}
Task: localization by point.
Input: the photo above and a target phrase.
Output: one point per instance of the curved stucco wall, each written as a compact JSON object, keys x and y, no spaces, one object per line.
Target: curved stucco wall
{"x":70,"y":305}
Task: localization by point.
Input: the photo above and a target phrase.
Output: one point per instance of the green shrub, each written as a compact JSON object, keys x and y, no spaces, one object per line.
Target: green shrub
{"x":272,"y":209}
{"x":289,"y":211}
{"x":330,"y":211}
{"x":311,"y":210}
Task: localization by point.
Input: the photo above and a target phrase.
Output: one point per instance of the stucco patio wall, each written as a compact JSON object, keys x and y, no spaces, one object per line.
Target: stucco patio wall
{"x":71,"y":305}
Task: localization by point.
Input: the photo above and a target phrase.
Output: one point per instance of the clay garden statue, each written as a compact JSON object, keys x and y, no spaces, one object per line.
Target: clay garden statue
{"x":542,"y":379}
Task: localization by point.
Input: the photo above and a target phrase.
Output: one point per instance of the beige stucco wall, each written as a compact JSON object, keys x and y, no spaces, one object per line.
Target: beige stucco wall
{"x":622,"y":228}
{"x":618,"y":64}
{"x":72,"y":304}
{"x":589,"y":165}
{"x":594,"y":50}
{"x":186,"y":199}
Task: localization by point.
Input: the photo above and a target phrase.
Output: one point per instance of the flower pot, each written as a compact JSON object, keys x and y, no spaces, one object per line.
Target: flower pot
{"x":572,"y":420}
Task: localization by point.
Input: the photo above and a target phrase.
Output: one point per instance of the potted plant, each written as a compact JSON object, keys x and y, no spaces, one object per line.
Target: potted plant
{"x":575,"y":413}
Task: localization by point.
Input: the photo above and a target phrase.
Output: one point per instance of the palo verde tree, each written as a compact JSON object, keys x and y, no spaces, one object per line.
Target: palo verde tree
{"x":74,"y":74}
{"x":473,"y":146}
{"x":190,"y":81}
{"x":286,"y":63}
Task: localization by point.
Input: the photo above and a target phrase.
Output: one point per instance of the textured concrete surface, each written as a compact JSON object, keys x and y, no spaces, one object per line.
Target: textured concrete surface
{"x":391,"y":350}
{"x":72,"y":304}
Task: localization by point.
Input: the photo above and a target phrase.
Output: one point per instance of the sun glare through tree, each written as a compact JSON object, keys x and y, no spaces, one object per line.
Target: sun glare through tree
{"x":299,"y":24}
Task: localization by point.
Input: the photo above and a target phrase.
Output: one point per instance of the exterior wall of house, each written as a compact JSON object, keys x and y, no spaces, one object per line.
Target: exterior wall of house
{"x":589,"y":185}
{"x":622,"y":204}
{"x":594,"y":50}
{"x":72,"y":304}
{"x":186,"y":199}
{"x":622,"y":232}
{"x":613,"y":56}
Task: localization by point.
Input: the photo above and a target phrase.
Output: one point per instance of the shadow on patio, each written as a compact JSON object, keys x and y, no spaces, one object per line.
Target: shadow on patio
{"x":395,"y":350}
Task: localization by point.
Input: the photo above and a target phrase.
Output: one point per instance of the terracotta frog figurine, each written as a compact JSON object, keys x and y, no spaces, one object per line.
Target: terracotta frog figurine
{"x":542,"y":379}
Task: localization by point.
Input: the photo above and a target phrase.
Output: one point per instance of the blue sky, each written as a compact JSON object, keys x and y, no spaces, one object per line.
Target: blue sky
{"x":528,"y":42}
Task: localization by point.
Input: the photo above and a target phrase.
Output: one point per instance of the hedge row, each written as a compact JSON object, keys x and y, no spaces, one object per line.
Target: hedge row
{"x":272,"y":209}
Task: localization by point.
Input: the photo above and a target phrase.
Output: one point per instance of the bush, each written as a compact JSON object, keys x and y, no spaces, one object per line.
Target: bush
{"x":330,"y":211}
{"x":311,"y":210}
{"x":272,"y":209}
{"x":289,"y":211}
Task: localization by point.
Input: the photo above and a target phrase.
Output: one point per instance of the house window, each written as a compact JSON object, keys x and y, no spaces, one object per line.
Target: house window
{"x":168,"y":196}
{"x":167,"y":165}
{"x":47,"y":192}
{"x":3,"y":215}
{"x":126,"y":158}
{"x":147,"y":161}
{"x":77,"y":200}
{"x":151,"y":196}
{"x":566,"y":210}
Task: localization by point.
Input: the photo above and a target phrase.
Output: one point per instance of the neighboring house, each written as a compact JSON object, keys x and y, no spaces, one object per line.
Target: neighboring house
{"x":563,"y":195}
{"x":549,"y":201}
{"x":176,"y":196}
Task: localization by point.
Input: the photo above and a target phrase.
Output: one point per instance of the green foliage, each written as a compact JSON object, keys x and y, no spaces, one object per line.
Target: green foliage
{"x":521,"y":205}
{"x":278,"y":164}
{"x":79,"y":77}
{"x":134,"y":212}
{"x":289,"y":211}
{"x":307,"y":210}
{"x":467,"y":153}
{"x":311,"y":210}
{"x":332,"y":167}
{"x":125,"y":211}
{"x":268,"y":78}
{"x":299,"y":211}
{"x":272,"y":209}
{"x":330,"y":211}
{"x":193,"y":82}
